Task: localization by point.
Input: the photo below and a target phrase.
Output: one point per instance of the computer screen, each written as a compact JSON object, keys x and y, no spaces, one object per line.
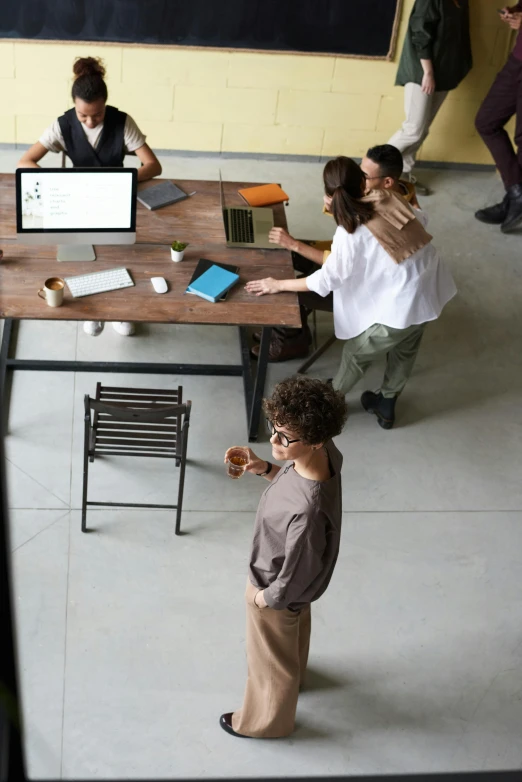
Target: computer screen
{"x":76,"y":200}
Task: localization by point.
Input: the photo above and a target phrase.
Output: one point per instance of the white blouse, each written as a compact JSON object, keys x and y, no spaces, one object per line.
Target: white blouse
{"x":369,"y":287}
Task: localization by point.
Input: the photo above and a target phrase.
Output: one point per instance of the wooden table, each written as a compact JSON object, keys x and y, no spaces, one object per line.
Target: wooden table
{"x":198,"y":221}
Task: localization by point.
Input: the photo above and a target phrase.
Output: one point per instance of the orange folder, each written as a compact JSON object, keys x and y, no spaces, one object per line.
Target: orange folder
{"x":263,"y":195}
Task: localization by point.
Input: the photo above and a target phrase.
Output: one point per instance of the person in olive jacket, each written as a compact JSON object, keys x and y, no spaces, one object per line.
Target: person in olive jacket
{"x":435,"y":58}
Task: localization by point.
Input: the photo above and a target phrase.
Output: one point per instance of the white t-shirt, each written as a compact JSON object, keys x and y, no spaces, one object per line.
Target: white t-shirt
{"x":369,"y":287}
{"x":133,"y":138}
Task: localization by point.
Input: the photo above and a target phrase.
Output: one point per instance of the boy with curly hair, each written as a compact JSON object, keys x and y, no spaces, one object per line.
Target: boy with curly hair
{"x":294,"y":551}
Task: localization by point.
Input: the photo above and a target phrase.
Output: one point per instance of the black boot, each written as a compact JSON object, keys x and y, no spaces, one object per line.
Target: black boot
{"x":494,"y":215}
{"x":380,"y":406}
{"x":514,"y":211}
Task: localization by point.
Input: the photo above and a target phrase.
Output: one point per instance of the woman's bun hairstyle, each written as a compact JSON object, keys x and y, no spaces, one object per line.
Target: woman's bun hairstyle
{"x":89,"y":84}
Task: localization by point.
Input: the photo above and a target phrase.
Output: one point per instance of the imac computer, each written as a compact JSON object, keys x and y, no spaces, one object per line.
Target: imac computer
{"x":75,"y":208}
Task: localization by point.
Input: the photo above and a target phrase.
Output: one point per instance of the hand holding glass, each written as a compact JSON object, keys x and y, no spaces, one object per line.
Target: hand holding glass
{"x":236,"y":460}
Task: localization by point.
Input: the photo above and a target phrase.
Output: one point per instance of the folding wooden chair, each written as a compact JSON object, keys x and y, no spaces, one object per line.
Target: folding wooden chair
{"x":146,"y":422}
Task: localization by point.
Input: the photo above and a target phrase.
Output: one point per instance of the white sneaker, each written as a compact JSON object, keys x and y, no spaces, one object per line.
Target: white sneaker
{"x":125,"y":329}
{"x":93,"y":327}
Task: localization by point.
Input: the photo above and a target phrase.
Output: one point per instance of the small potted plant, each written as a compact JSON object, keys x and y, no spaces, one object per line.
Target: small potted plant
{"x":177,"y":251}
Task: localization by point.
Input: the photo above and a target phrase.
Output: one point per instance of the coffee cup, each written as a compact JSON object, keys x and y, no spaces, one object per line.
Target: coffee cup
{"x":52,"y":291}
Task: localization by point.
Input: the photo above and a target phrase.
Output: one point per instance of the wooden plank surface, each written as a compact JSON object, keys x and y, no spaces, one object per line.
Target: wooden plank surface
{"x":197,"y":220}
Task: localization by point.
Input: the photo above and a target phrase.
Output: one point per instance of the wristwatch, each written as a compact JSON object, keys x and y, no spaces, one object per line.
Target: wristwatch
{"x":268,"y":468}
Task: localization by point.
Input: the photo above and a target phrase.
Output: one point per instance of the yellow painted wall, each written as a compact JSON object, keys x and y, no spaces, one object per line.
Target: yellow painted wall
{"x":234,"y":101}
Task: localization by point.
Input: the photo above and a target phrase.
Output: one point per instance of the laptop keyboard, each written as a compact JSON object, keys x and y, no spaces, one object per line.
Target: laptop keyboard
{"x":241,"y":226}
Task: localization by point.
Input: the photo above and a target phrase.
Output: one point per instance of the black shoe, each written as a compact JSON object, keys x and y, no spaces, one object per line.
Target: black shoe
{"x":494,"y":215}
{"x":514,"y":211}
{"x":225,"y":722}
{"x":383,"y":408}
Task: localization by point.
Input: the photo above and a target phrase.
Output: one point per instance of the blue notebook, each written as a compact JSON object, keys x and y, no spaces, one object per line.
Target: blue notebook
{"x":213,"y":283}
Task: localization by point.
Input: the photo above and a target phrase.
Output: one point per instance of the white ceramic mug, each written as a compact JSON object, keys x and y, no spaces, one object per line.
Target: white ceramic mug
{"x":52,"y":291}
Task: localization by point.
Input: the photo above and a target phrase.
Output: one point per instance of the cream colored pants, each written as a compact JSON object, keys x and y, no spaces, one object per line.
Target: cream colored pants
{"x":420,"y":110}
{"x":277,"y":644}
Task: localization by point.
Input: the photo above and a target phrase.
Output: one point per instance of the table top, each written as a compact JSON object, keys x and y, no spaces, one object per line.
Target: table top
{"x":197,"y":220}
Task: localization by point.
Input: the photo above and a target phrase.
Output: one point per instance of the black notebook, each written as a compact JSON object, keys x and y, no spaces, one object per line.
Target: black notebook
{"x":162,"y":194}
{"x":204,"y":265}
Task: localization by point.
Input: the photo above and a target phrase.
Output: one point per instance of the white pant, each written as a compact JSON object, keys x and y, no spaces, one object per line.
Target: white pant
{"x":420,"y":110}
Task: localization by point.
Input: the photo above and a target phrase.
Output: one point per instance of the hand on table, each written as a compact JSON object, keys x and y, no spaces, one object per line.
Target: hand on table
{"x":255,"y":464}
{"x":282,"y":237}
{"x":260,"y":287}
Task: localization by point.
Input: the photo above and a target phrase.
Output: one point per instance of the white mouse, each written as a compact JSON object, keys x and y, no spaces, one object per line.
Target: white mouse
{"x":159,"y":284}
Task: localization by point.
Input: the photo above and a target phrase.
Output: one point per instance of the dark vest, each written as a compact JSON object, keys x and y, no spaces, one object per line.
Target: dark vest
{"x":109,"y":152}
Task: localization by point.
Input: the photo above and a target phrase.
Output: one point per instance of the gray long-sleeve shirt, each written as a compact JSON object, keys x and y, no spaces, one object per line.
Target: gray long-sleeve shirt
{"x":296,"y":535}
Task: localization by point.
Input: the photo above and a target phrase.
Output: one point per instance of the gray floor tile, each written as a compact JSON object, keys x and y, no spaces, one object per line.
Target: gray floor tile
{"x":38,"y":442}
{"x":163,"y":343}
{"x":406,"y":667}
{"x":40,"y":572}
{"x":26,"y":524}
{"x":53,"y":340}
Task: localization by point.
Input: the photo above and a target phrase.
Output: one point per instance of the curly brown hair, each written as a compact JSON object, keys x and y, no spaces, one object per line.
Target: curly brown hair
{"x":308,"y":407}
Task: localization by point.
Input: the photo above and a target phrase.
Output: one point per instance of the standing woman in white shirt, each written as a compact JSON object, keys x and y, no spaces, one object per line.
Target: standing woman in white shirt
{"x":387,"y":280}
{"x":94,"y":135}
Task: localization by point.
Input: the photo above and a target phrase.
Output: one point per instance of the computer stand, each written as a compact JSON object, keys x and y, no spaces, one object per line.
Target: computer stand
{"x":75,"y":252}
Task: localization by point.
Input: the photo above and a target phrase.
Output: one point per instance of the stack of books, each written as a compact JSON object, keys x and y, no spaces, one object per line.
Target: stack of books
{"x":212,"y":280}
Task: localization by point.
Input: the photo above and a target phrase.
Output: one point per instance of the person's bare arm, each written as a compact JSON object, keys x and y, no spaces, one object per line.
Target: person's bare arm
{"x":270,"y":285}
{"x":428,"y":80}
{"x":31,"y":156}
{"x":151,"y":166}
{"x":283,"y":238}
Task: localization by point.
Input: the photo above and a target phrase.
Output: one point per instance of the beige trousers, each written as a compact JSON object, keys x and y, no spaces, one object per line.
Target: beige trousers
{"x":277,"y":644}
{"x":420,"y":110}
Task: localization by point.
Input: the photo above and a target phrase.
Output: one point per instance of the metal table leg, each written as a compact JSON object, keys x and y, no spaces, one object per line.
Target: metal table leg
{"x":259,"y":384}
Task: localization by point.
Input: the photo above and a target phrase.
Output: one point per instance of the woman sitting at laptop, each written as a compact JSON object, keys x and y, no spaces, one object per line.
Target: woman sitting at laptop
{"x":94,"y":135}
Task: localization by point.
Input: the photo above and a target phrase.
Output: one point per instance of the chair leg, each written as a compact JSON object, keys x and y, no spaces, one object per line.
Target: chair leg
{"x":181,"y":480}
{"x":85,"y":473}
{"x":315,"y":355}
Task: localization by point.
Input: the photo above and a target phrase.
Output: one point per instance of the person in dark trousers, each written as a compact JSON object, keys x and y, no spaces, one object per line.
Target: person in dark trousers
{"x":294,"y":551}
{"x":502,"y":102}
{"x":435,"y":58}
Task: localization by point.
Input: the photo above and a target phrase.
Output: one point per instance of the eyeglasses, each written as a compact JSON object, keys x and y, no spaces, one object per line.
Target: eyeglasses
{"x":281,"y":436}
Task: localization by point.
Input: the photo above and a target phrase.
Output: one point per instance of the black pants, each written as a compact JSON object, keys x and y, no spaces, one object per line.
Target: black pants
{"x":502,"y":102}
{"x":308,"y":300}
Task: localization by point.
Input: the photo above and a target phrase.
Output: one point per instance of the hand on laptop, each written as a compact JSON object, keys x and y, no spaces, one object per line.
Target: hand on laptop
{"x":283,"y":238}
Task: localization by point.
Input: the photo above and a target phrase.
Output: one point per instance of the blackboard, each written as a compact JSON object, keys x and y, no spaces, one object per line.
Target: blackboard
{"x":357,"y":28}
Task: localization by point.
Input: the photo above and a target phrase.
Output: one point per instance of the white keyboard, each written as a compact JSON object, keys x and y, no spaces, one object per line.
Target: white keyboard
{"x":99,"y":282}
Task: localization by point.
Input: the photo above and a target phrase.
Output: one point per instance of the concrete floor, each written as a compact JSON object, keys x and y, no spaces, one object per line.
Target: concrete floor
{"x":132,"y":641}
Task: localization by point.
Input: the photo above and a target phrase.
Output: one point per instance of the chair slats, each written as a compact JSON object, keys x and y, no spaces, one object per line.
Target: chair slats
{"x":109,"y":425}
{"x":118,"y":389}
{"x":149,"y":399}
{"x":142,"y":442}
{"x":141,"y":435}
{"x":142,"y":454}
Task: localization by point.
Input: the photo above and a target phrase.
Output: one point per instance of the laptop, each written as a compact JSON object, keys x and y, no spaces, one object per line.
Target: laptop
{"x":246,"y":226}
